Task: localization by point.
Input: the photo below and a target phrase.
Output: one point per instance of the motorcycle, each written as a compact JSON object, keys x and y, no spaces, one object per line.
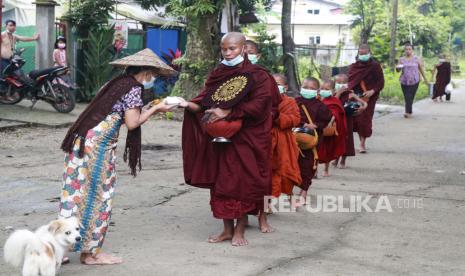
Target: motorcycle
{"x":45,"y":85}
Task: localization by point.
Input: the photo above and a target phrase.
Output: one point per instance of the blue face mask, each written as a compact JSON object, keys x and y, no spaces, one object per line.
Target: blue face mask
{"x":148,"y":84}
{"x":233,"y":62}
{"x":325,"y":93}
{"x":282,"y":89}
{"x":308,"y":93}
{"x":253,"y":58}
{"x":364,"y":58}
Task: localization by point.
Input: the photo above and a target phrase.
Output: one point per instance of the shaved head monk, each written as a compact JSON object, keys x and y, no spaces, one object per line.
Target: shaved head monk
{"x":366,"y":78}
{"x":236,"y":103}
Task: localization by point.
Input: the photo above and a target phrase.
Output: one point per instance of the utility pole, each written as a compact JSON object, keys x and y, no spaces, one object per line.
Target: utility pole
{"x":392,"y":54}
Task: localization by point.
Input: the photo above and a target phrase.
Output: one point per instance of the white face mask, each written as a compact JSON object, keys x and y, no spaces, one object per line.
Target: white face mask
{"x":341,"y":86}
{"x":253,"y":58}
{"x":442,"y":60}
{"x":233,"y":62}
{"x":148,"y":84}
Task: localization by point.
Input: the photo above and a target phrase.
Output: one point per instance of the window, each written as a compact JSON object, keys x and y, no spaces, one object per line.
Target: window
{"x":313,"y":11}
{"x":315,"y":40}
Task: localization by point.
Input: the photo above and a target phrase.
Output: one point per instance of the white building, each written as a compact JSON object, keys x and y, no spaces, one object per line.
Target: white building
{"x":318,"y":22}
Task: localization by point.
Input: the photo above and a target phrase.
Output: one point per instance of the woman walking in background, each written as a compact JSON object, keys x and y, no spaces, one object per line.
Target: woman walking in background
{"x":411,"y":67}
{"x":442,"y":70}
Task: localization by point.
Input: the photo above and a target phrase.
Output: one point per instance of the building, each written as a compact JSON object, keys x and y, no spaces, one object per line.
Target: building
{"x":318,"y":25}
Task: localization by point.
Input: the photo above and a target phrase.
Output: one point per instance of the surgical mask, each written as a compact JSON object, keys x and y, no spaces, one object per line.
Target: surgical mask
{"x":326,"y":93}
{"x":364,"y":58}
{"x":61,"y":45}
{"x":148,"y":84}
{"x":282,"y":89}
{"x":308,"y":93}
{"x":8,"y":31}
{"x":233,"y":62}
{"x":341,"y":86}
{"x":442,"y":60}
{"x":253,"y":58}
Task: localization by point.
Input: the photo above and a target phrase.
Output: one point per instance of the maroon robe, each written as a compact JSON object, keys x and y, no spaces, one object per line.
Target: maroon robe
{"x":350,"y":147}
{"x":372,"y":74}
{"x":321,"y":116}
{"x":442,"y":79}
{"x":333,"y":147}
{"x":238,"y":174}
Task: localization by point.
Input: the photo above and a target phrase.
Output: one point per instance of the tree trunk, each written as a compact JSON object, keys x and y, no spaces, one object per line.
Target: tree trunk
{"x":199,"y":58}
{"x":289,"y":59}
{"x":392,"y":54}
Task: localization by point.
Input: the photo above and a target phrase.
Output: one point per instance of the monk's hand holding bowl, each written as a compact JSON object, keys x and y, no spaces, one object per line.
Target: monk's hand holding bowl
{"x":369,"y":93}
{"x":310,"y":126}
{"x":217,"y":114}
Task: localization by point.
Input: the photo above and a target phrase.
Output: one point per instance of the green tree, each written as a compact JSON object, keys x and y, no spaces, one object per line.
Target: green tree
{"x":367,"y":14}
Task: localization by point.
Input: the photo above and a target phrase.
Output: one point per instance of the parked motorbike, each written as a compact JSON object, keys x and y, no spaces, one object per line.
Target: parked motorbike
{"x":42,"y":85}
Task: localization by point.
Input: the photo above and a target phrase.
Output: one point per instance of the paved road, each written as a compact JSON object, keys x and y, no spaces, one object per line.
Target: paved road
{"x":160,"y":225}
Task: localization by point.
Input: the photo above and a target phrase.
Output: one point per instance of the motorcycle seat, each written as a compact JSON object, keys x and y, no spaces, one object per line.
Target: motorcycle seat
{"x":34,"y":74}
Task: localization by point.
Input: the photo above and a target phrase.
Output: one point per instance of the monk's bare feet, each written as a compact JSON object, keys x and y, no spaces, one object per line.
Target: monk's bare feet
{"x":239,"y":234}
{"x":227,"y":233}
{"x":363,"y":148}
{"x":220,"y":238}
{"x":302,"y":199}
{"x":342,"y":166}
{"x":100,"y":259}
{"x":65,"y":260}
{"x":335,"y":163}
{"x":265,"y":227}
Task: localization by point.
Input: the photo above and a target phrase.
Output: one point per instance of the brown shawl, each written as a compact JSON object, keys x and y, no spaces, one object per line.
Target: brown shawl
{"x":96,"y":112}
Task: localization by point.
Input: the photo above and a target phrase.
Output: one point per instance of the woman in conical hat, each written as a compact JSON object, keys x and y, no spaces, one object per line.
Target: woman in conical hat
{"x":89,"y":176}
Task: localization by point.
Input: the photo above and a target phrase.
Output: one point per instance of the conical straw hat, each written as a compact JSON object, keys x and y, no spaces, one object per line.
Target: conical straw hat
{"x":148,"y":58}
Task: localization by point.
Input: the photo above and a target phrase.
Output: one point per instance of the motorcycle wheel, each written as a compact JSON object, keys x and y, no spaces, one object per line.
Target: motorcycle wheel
{"x":10,"y":95}
{"x":65,"y":101}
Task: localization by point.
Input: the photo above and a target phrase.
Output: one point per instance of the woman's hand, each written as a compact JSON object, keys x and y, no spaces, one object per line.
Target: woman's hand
{"x":217,"y":114}
{"x":162,"y":107}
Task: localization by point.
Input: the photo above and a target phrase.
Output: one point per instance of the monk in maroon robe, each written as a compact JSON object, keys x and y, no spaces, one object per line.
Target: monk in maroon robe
{"x":238,"y":173}
{"x":367,"y":80}
{"x":345,"y":96}
{"x":443,"y":77}
{"x":332,"y":147}
{"x":320,"y":116}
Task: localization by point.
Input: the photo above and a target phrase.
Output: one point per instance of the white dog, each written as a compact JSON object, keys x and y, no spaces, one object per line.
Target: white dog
{"x":41,"y":252}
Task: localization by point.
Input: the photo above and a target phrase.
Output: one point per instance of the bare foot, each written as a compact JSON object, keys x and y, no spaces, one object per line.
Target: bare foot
{"x":342,"y":166}
{"x":100,"y":259}
{"x":239,"y":239}
{"x":335,"y":163}
{"x":325,"y":174}
{"x":224,"y":236}
{"x":263,"y":223}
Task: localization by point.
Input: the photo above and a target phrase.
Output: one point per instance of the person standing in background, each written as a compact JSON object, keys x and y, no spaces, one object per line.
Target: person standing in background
{"x":442,"y":70}
{"x":9,"y":39}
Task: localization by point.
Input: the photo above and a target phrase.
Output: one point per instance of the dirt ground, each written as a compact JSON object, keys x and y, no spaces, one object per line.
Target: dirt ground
{"x":160,"y":225}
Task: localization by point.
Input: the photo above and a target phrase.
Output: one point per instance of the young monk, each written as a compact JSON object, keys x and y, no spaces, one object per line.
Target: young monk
{"x":366,"y":78}
{"x":332,"y":147}
{"x":253,"y":53}
{"x":345,"y":95}
{"x":286,"y":171}
{"x":320,"y":116}
{"x":237,"y":173}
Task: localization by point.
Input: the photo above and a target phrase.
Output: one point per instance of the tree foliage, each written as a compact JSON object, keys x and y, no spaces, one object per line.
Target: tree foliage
{"x":431,"y":24}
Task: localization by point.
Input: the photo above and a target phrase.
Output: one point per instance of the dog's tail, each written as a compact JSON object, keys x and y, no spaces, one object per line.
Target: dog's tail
{"x":16,"y":244}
